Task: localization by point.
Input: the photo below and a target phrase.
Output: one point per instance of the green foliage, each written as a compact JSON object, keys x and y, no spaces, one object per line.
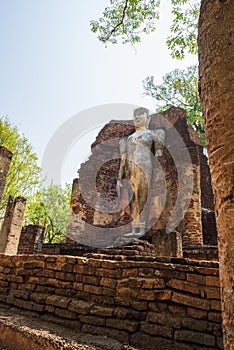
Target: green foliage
{"x":50,"y":208}
{"x":125,"y":20}
{"x":184,"y":28}
{"x":24,"y":173}
{"x":180,"y":89}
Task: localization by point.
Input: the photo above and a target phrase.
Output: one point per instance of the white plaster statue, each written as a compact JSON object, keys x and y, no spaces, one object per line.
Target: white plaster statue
{"x":136,"y":167}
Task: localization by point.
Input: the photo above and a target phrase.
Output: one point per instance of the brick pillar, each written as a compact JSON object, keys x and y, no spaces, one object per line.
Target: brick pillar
{"x":5,"y":160}
{"x":167,"y":244}
{"x":31,"y":239}
{"x":192,"y":222}
{"x":12,"y":225}
{"x":76,"y":224}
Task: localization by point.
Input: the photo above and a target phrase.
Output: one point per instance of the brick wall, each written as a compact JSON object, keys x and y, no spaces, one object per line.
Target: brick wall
{"x":171,"y":303}
{"x":31,"y":239}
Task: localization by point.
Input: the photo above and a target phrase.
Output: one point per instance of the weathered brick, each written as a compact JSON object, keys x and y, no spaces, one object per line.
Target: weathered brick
{"x":215,"y":317}
{"x":184,"y":285}
{"x":212,"y":281}
{"x":157,"y":306}
{"x":207,"y":270}
{"x":4,"y":269}
{"x":78,"y":286}
{"x":93,"y":289}
{"x":154,"y":329}
{"x":216,"y":305}
{"x":93,"y":320}
{"x":9,"y":299}
{"x":13,"y":285}
{"x":54,"y":266}
{"x":162,"y":294}
{"x":79,"y":278}
{"x":146,"y":294}
{"x":197,"y":325}
{"x":107,"y":264}
{"x":168,"y":274}
{"x":140,"y":305}
{"x":132,"y":282}
{"x":72,"y":260}
{"x":195,"y":337}
{"x":69,"y":293}
{"x":4,"y":283}
{"x":91,"y":280}
{"x":130,"y":326}
{"x":59,"y":301}
{"x":27,"y":286}
{"x":191,"y":301}
{"x":159,"y":283}
{"x":148,"y":283}
{"x":213,"y":293}
{"x":80,"y":306}
{"x":102,"y":299}
{"x":68,"y":267}
{"x":177,"y":310}
{"x":44,"y":281}
{"x":126,"y":313}
{"x":23,"y":272}
{"x":108,"y":291}
{"x":65,"y":276}
{"x":44,"y":273}
{"x":13,"y":278}
{"x":49,"y":308}
{"x":102,"y":311}
{"x":33,"y":265}
{"x":67,"y":285}
{"x":94,"y":263}
{"x":127,"y":293}
{"x":196,"y":313}
{"x":129,"y":272}
{"x":24,"y":304}
{"x":38,"y":297}
{"x":164,"y":319}
{"x":84,"y":270}
{"x":21,"y":294}
{"x":108,"y":282}
{"x":109,"y":273}
{"x":66,"y":314}
{"x":38,"y":307}
{"x":194,"y":278}
{"x":145,"y":271}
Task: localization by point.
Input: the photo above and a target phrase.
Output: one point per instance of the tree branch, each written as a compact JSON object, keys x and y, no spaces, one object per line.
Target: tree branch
{"x":121,"y":22}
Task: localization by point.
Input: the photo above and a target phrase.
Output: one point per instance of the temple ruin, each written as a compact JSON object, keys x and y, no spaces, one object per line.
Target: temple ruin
{"x":194,"y":231}
{"x":159,"y":291}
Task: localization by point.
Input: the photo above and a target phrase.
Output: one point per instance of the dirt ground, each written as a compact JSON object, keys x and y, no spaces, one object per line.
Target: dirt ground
{"x":47,"y":332}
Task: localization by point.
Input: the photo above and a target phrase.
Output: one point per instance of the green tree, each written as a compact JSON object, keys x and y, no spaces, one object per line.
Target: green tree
{"x":123,"y":21}
{"x":24,"y":172}
{"x":179,"y":88}
{"x":50,"y":208}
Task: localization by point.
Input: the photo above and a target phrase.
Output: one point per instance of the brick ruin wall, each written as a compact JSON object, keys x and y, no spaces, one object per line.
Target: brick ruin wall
{"x":12,"y":225}
{"x":164,"y":304}
{"x":5,"y":160}
{"x":196,"y":228}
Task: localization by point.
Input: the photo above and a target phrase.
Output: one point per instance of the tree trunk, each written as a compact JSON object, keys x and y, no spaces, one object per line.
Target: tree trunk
{"x":216,"y":70}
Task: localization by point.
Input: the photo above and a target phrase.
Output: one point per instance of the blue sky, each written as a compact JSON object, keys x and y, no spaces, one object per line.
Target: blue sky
{"x":52,"y":66}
